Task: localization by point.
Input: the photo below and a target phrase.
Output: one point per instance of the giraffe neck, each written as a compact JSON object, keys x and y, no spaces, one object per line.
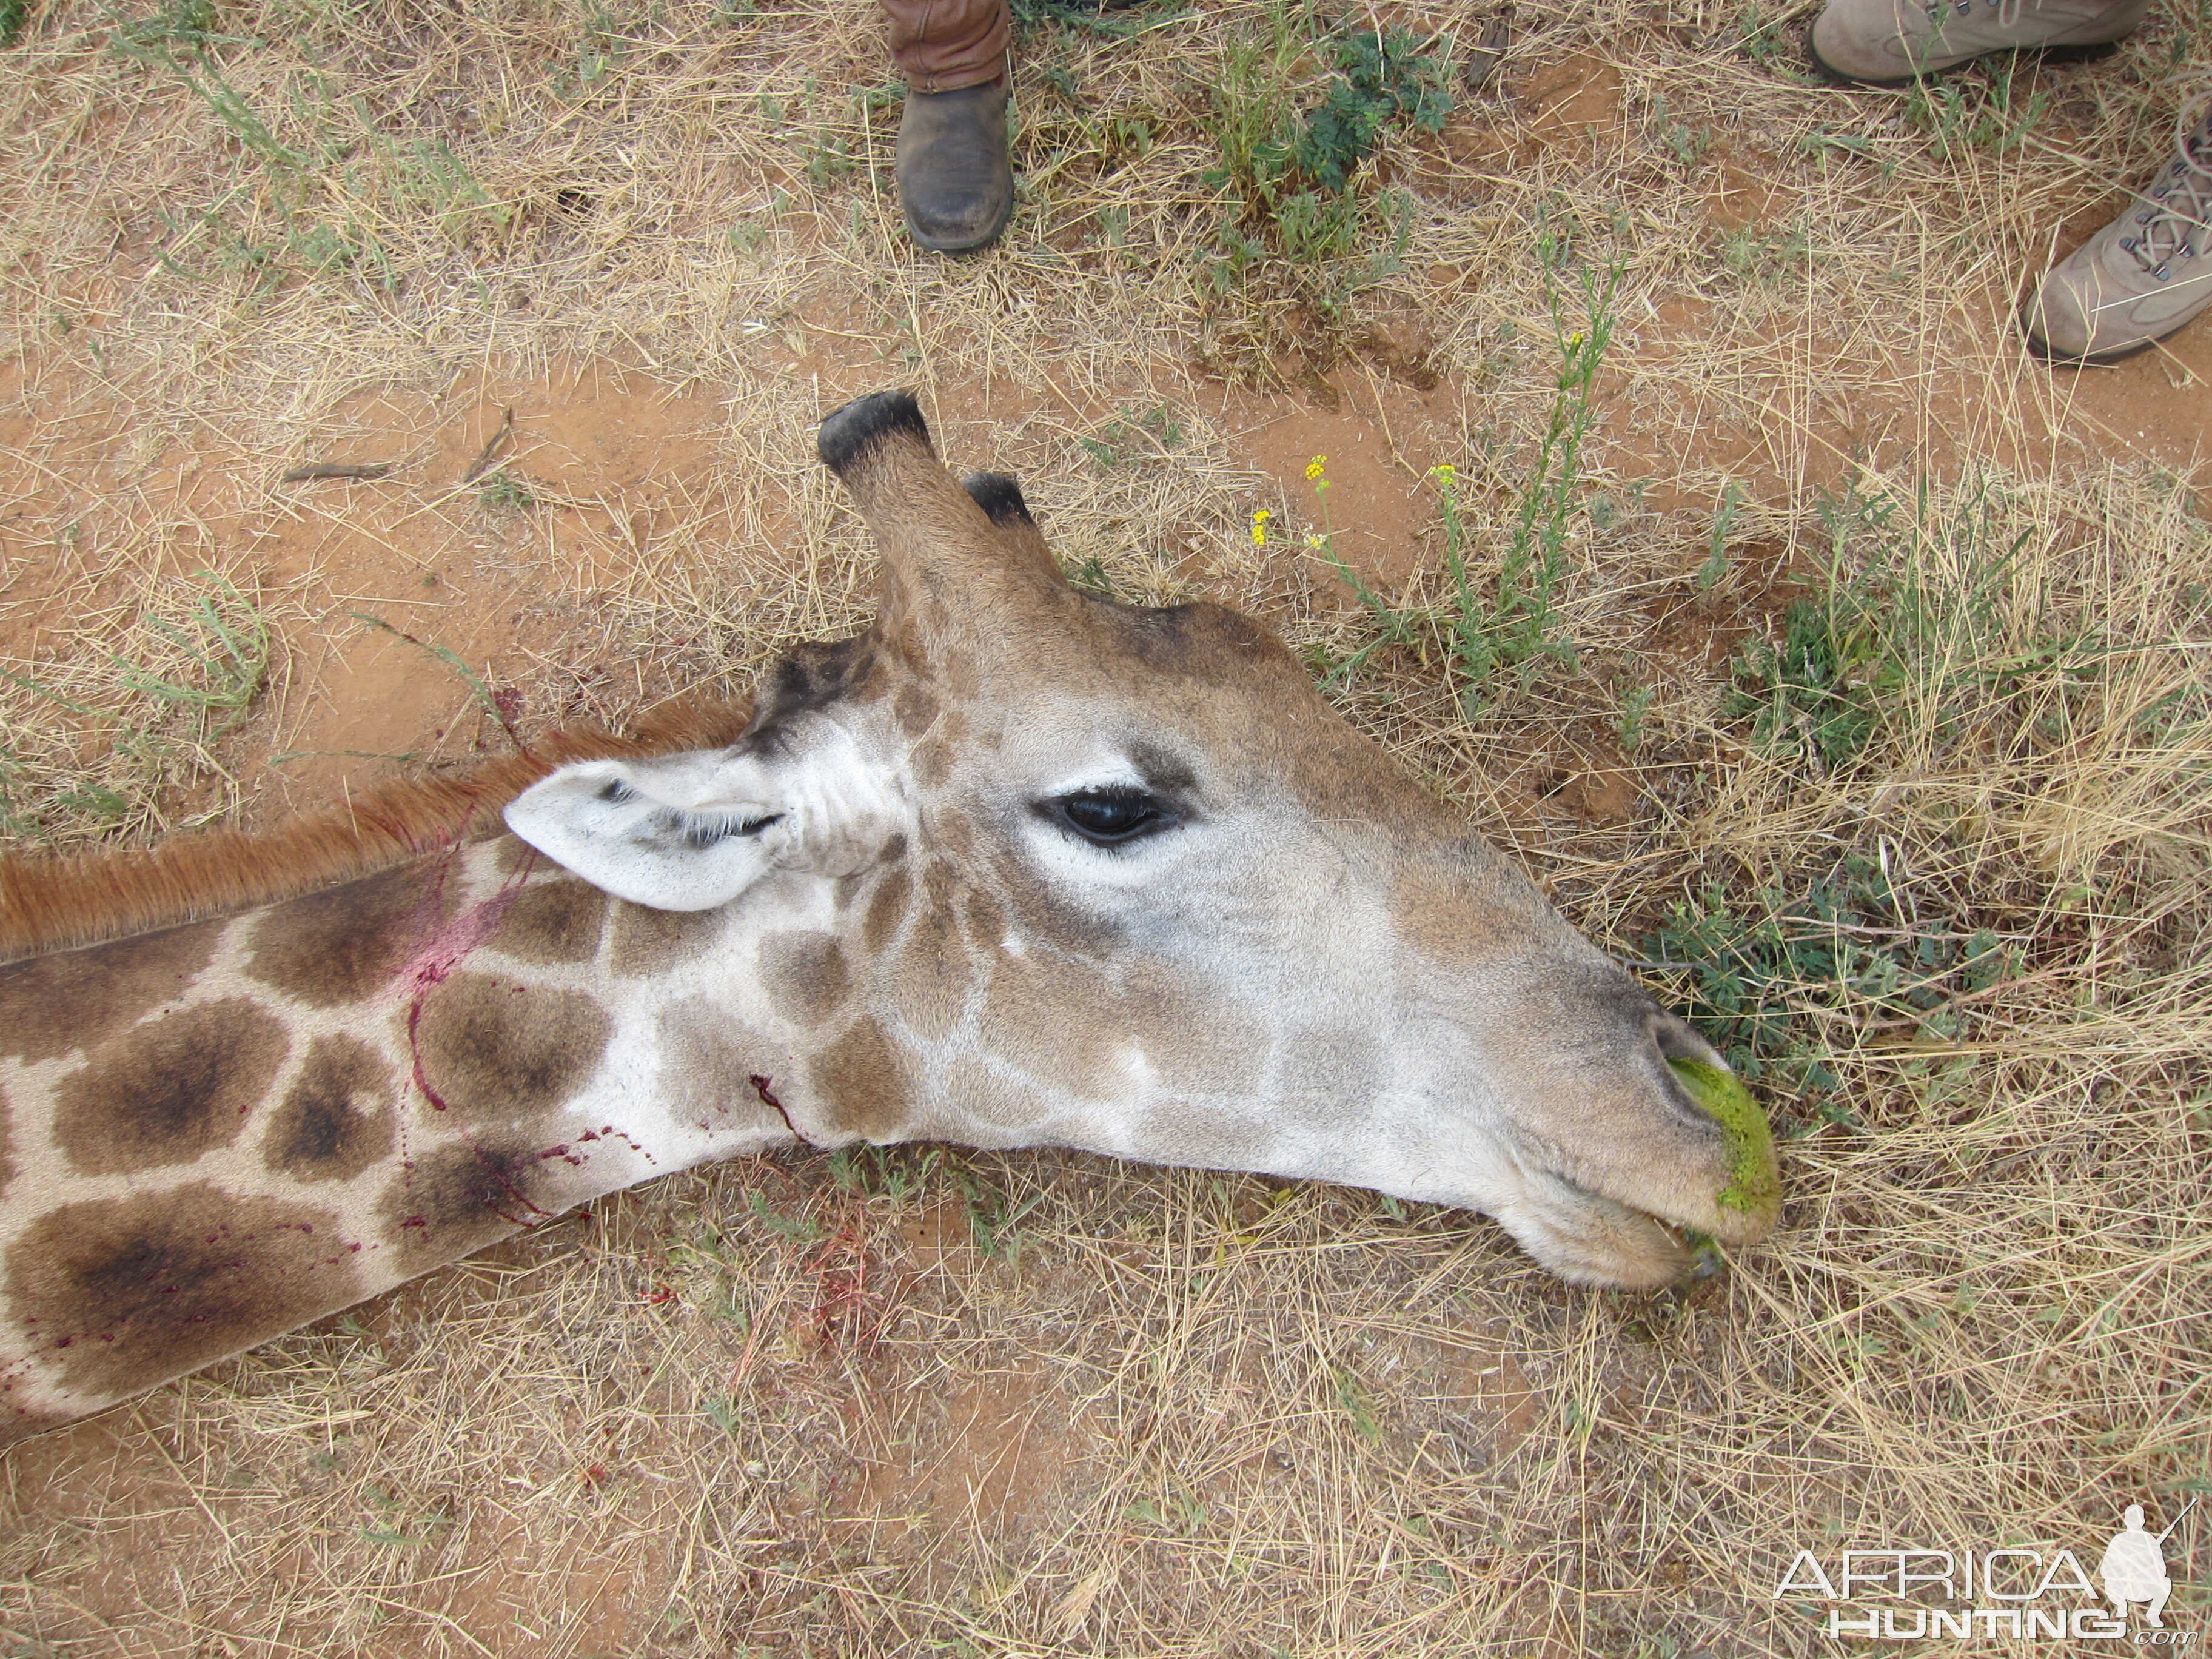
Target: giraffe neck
{"x":214,"y":1134}
{"x":217,"y":1133}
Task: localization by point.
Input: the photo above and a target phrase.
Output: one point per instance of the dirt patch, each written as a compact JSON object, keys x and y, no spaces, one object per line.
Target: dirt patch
{"x":1373,"y":451}
{"x":593,"y":467}
{"x":986,"y":1460}
{"x":1743,"y":192}
{"x":1600,"y":792}
{"x":1762,"y":424}
{"x":1573,"y":103}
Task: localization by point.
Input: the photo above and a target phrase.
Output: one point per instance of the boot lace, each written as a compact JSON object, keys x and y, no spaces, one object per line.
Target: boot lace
{"x":2174,"y":218}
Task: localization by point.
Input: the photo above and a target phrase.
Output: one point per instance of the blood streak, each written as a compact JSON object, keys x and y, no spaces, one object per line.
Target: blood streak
{"x":767,"y":1098}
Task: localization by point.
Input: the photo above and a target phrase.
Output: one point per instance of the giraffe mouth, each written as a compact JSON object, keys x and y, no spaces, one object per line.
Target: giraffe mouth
{"x":1662,"y":1215}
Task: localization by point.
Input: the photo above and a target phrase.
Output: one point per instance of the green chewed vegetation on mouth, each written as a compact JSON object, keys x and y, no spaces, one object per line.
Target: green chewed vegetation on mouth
{"x":1753,"y":1183}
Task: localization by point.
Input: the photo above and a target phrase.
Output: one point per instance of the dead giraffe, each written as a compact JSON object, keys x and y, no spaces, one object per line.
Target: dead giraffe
{"x":1016,"y":867}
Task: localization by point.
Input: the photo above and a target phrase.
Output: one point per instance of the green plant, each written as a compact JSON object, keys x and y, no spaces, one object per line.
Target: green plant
{"x":1689,"y":144}
{"x":829,"y":157}
{"x":426,"y":173}
{"x":1518,"y":625}
{"x":800,"y":1228}
{"x":1753,"y":253}
{"x":501,"y":493}
{"x":224,"y":639}
{"x":195,"y":661}
{"x":1392,"y":625}
{"x":896,"y":1175}
{"x":1381,"y":78}
{"x":1919,"y":636}
{"x":1759,"y":972}
{"x":600,"y":49}
{"x":1990,"y":115}
{"x":1635,"y":704}
{"x":1716,"y":564}
{"x":1358,"y":1406}
{"x":1092,"y":576}
{"x":1291,"y":171}
{"x":1809,"y":692}
{"x":14,"y":15}
{"x":994,"y":1218}
{"x":1523,"y":625}
{"x":153,"y":37}
{"x":1759,"y":37}
{"x":1251,"y":112}
{"x":1128,"y":436}
{"x":1077,"y":17}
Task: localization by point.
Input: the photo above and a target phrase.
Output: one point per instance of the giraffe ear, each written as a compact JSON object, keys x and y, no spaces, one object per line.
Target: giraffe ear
{"x":688,"y":832}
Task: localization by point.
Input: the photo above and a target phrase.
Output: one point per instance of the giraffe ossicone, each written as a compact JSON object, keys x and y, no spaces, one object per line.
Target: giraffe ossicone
{"x":1015,"y":866}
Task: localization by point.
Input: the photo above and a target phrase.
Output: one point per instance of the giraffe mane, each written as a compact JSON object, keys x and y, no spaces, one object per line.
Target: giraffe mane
{"x":59,"y":902}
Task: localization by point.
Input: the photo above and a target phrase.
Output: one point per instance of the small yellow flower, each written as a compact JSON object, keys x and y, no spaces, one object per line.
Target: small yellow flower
{"x":1314,"y":465}
{"x":1444,"y":473}
{"x":1576,"y":338}
{"x":1260,"y":517}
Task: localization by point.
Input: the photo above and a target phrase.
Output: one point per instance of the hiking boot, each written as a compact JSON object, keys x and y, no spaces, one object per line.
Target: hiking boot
{"x":1893,"y":43}
{"x":2142,"y":276}
{"x":956,"y":179}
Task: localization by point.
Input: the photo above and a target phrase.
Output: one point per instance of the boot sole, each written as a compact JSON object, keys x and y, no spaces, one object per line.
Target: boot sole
{"x":966,"y":245}
{"x":2043,"y":349}
{"x":2088,"y":53}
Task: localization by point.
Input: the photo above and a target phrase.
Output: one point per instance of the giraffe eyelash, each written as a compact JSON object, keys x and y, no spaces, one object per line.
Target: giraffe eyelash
{"x":704,"y":829}
{"x":698,"y":830}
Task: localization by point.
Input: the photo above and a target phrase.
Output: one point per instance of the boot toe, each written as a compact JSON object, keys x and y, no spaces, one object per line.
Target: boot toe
{"x":2057,"y":324}
{"x":957,"y":220}
{"x":956,"y":178}
{"x":1843,"y":53}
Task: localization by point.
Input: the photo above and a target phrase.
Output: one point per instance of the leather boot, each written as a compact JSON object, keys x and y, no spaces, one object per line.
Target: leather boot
{"x":956,"y":178}
{"x":1891,"y":43}
{"x":2141,"y":278}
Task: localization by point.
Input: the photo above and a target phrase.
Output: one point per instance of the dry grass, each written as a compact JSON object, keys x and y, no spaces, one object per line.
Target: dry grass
{"x":928,"y":1401}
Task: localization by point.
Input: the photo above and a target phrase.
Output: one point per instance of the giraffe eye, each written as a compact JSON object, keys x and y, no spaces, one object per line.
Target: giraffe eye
{"x":1112,"y":818}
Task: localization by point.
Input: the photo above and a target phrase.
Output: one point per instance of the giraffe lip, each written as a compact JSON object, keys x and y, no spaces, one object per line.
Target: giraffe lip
{"x":1722,"y":1224}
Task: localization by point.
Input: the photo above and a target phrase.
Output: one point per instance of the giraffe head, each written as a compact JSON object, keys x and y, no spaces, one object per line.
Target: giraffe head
{"x":1116,"y":877}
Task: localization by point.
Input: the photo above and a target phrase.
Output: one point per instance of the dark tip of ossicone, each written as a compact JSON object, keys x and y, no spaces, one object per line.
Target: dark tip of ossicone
{"x":1000,"y":497}
{"x":850,"y":432}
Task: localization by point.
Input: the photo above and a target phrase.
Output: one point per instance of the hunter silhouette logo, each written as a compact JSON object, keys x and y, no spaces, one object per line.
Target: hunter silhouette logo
{"x":2134,"y":1567}
{"x":2015,"y":1592}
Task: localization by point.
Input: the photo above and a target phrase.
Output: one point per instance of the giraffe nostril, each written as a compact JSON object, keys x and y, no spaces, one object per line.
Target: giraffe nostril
{"x":1680,"y":1050}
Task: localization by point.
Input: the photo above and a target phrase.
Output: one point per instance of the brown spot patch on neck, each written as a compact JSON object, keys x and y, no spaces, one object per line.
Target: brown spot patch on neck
{"x":708,"y":1060}
{"x":494,"y":1051}
{"x":554,"y":921}
{"x":461,"y":1198}
{"x":341,"y":946}
{"x":337,"y":1119}
{"x":129,"y":1292}
{"x":75,"y":1000}
{"x":56,"y":903}
{"x":166,"y":1091}
{"x":804,"y":975}
{"x":886,"y":910}
{"x":861,"y":1085}
{"x":648,"y":942}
